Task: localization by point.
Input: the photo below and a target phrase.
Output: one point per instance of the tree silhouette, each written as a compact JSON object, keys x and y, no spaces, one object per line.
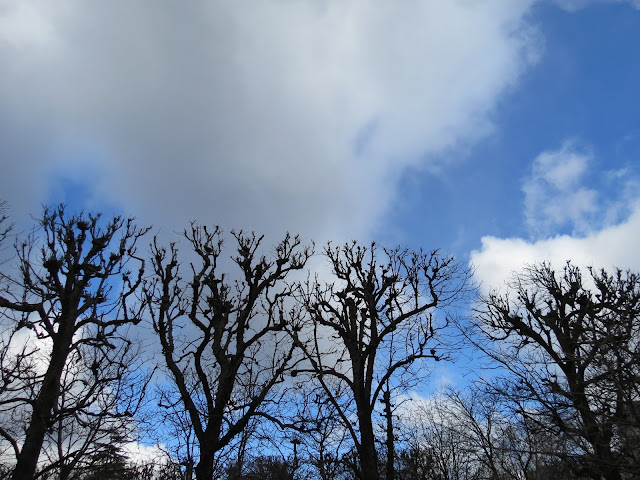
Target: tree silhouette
{"x":571,"y":347}
{"x":70,"y":296}
{"x":223,"y":341}
{"x":369,"y":326}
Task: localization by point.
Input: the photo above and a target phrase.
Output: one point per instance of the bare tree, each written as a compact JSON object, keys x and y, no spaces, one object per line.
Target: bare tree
{"x":500,"y":442}
{"x":102,"y":388}
{"x":322,"y":436}
{"x":436,"y":445}
{"x":177,"y":436}
{"x":64,"y":307}
{"x":469,"y":434}
{"x":571,"y":348}
{"x":370,"y":326}
{"x":223,"y":341}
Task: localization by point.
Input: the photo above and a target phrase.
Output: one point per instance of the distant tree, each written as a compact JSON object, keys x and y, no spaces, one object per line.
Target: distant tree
{"x":324,"y":439}
{"x":415,"y":463}
{"x":570,"y":347}
{"x":436,"y":447}
{"x":66,"y":369}
{"x":161,"y":468}
{"x":468,"y":434}
{"x":107,"y":463}
{"x":180,"y":433}
{"x":500,"y":443}
{"x":370,"y":325}
{"x":223,"y":342}
{"x":269,"y":468}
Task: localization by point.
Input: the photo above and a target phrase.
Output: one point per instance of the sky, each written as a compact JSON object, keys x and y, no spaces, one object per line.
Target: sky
{"x":504,"y":132}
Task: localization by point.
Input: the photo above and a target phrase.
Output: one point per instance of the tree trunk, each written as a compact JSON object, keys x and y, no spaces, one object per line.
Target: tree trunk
{"x":27,"y":461}
{"x":204,"y":468}
{"x":367,"y":453}
{"x":613,"y":474}
{"x":390,"y":443}
{"x":367,"y":450}
{"x":188,"y":470}
{"x":609,"y":470}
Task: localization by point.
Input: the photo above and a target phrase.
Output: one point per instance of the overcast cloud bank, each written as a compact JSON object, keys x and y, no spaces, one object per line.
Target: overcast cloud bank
{"x":292,"y":116}
{"x":297,"y":116}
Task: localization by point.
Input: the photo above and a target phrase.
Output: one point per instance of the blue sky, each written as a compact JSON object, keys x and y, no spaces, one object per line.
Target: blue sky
{"x":583,"y":90}
{"x":503,"y":131}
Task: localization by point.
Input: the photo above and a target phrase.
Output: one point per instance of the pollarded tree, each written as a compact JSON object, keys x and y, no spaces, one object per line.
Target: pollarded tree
{"x":370,"y":325}
{"x":571,"y":347}
{"x":65,"y":306}
{"x":223,"y":340}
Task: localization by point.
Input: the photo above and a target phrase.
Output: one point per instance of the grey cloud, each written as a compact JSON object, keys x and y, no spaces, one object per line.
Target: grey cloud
{"x":250,"y":117}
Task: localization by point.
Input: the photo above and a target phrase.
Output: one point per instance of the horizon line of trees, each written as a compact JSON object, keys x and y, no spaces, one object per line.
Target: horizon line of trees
{"x":260,"y":363}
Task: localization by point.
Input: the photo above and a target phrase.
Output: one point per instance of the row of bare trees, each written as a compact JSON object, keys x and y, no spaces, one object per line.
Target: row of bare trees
{"x":244,"y":364}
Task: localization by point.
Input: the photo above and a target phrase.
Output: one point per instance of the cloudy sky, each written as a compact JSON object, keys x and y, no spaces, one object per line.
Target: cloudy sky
{"x":502,"y":131}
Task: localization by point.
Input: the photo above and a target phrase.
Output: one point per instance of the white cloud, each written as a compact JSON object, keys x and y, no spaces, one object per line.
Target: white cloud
{"x":139,"y":453}
{"x":613,"y":246}
{"x":22,"y":25}
{"x":554,"y":196}
{"x":286,"y":115}
{"x":604,"y":223}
